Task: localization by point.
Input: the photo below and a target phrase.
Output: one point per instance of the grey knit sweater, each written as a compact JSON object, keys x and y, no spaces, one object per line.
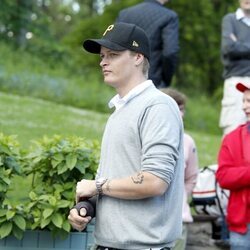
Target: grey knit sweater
{"x":144,"y":135}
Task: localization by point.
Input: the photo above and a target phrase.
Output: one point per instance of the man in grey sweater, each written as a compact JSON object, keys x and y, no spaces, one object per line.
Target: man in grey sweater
{"x":139,"y":182}
{"x":235,"y":52}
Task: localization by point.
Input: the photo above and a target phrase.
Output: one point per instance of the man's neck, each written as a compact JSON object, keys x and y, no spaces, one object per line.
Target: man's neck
{"x":246,"y":12}
{"x":124,"y":89}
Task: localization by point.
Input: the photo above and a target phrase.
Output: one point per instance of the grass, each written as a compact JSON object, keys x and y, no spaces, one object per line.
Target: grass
{"x":207,"y":146}
{"x":26,"y":75}
{"x":31,"y":119}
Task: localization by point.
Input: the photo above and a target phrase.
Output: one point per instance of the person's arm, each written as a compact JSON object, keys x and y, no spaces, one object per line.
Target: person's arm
{"x":231,"y":46}
{"x":192,"y":166}
{"x":160,"y":143}
{"x":231,"y":175}
{"x":170,"y":38}
{"x":138,"y":186}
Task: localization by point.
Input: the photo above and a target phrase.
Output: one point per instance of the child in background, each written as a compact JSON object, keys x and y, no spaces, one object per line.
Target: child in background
{"x":191,"y":167}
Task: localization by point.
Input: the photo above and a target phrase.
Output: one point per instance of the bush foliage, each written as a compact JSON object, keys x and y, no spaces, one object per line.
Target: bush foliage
{"x":55,"y":164}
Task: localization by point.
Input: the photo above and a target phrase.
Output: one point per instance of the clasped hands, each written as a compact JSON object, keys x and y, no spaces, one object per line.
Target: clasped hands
{"x":84,"y":189}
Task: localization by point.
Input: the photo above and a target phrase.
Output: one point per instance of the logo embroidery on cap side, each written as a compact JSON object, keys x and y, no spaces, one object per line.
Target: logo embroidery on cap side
{"x":135,"y":44}
{"x":110,"y":27}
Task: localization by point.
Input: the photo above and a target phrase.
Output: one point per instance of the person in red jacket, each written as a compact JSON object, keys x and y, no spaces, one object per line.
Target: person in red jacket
{"x":234,"y":174}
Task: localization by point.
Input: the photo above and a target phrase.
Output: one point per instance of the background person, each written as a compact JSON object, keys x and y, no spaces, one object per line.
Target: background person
{"x":139,"y":182}
{"x":235,"y":52}
{"x":234,"y":174}
{"x":191,"y":167}
{"x":161,"y":26}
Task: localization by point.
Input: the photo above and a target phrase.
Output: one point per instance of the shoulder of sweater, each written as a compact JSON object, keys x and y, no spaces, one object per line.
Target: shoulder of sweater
{"x":230,"y":16}
{"x":155,"y":96}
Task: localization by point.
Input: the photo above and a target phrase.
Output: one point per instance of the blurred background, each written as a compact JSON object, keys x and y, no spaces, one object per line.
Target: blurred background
{"x":49,"y":85}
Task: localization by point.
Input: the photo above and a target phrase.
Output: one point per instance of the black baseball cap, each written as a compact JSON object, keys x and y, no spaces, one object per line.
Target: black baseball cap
{"x":119,"y":37}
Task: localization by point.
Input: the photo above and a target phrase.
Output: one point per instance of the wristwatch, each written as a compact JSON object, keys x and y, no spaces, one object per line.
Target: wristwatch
{"x":99,"y":183}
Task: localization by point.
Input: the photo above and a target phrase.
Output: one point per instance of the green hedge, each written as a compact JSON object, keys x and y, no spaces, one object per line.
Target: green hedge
{"x":54,"y":165}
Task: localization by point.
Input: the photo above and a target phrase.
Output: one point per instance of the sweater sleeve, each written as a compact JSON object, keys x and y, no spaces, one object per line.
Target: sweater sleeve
{"x":161,"y":140}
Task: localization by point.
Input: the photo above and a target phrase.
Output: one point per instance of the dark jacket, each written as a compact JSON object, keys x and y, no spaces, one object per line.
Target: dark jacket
{"x":162,"y":27}
{"x":235,"y":55}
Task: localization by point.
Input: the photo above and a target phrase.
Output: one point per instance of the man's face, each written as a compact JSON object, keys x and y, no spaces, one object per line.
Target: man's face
{"x":246,"y":103}
{"x":117,"y":66}
{"x":245,"y":4}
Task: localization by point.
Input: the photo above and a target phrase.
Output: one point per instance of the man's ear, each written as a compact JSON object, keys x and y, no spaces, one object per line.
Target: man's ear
{"x":139,"y":59}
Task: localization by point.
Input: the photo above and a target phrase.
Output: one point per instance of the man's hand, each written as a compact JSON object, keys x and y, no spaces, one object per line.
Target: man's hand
{"x":85,"y":189}
{"x":78,"y":222}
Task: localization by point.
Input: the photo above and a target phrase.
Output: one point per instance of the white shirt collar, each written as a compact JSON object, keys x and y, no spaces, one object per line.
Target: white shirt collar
{"x":241,"y":16}
{"x":118,"y":102}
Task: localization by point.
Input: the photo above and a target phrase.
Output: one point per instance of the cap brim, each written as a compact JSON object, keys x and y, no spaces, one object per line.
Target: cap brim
{"x":241,"y":87}
{"x":94,"y":45}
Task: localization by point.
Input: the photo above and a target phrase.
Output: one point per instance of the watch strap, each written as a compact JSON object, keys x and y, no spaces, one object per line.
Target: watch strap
{"x":99,"y":184}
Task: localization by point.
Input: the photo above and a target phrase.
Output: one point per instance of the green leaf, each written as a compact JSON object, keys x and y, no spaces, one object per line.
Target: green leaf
{"x":66,"y":226}
{"x":88,"y":176}
{"x":18,"y":233}
{"x":63,"y":203}
{"x":47,"y":213}
{"x":37,"y":159}
{"x":6,"y":180}
{"x":2,"y":219}
{"x":5,"y":149}
{"x":71,"y":160}
{"x":62,"y":168}
{"x":57,"y":220}
{"x":12,"y":163}
{"x":10,"y":214}
{"x":57,"y":158}
{"x":44,"y":197}
{"x":20,"y":222}
{"x":32,"y":195}
{"x":5,"y":229}
{"x":52,"y":201}
{"x":2,"y":212}
{"x":45,"y":222}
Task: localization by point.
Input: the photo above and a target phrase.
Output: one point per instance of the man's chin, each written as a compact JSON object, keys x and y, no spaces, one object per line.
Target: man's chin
{"x":110,"y":83}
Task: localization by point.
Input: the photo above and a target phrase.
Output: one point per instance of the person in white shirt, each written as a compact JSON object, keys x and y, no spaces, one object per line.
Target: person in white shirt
{"x":191,"y":168}
{"x":235,"y":54}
